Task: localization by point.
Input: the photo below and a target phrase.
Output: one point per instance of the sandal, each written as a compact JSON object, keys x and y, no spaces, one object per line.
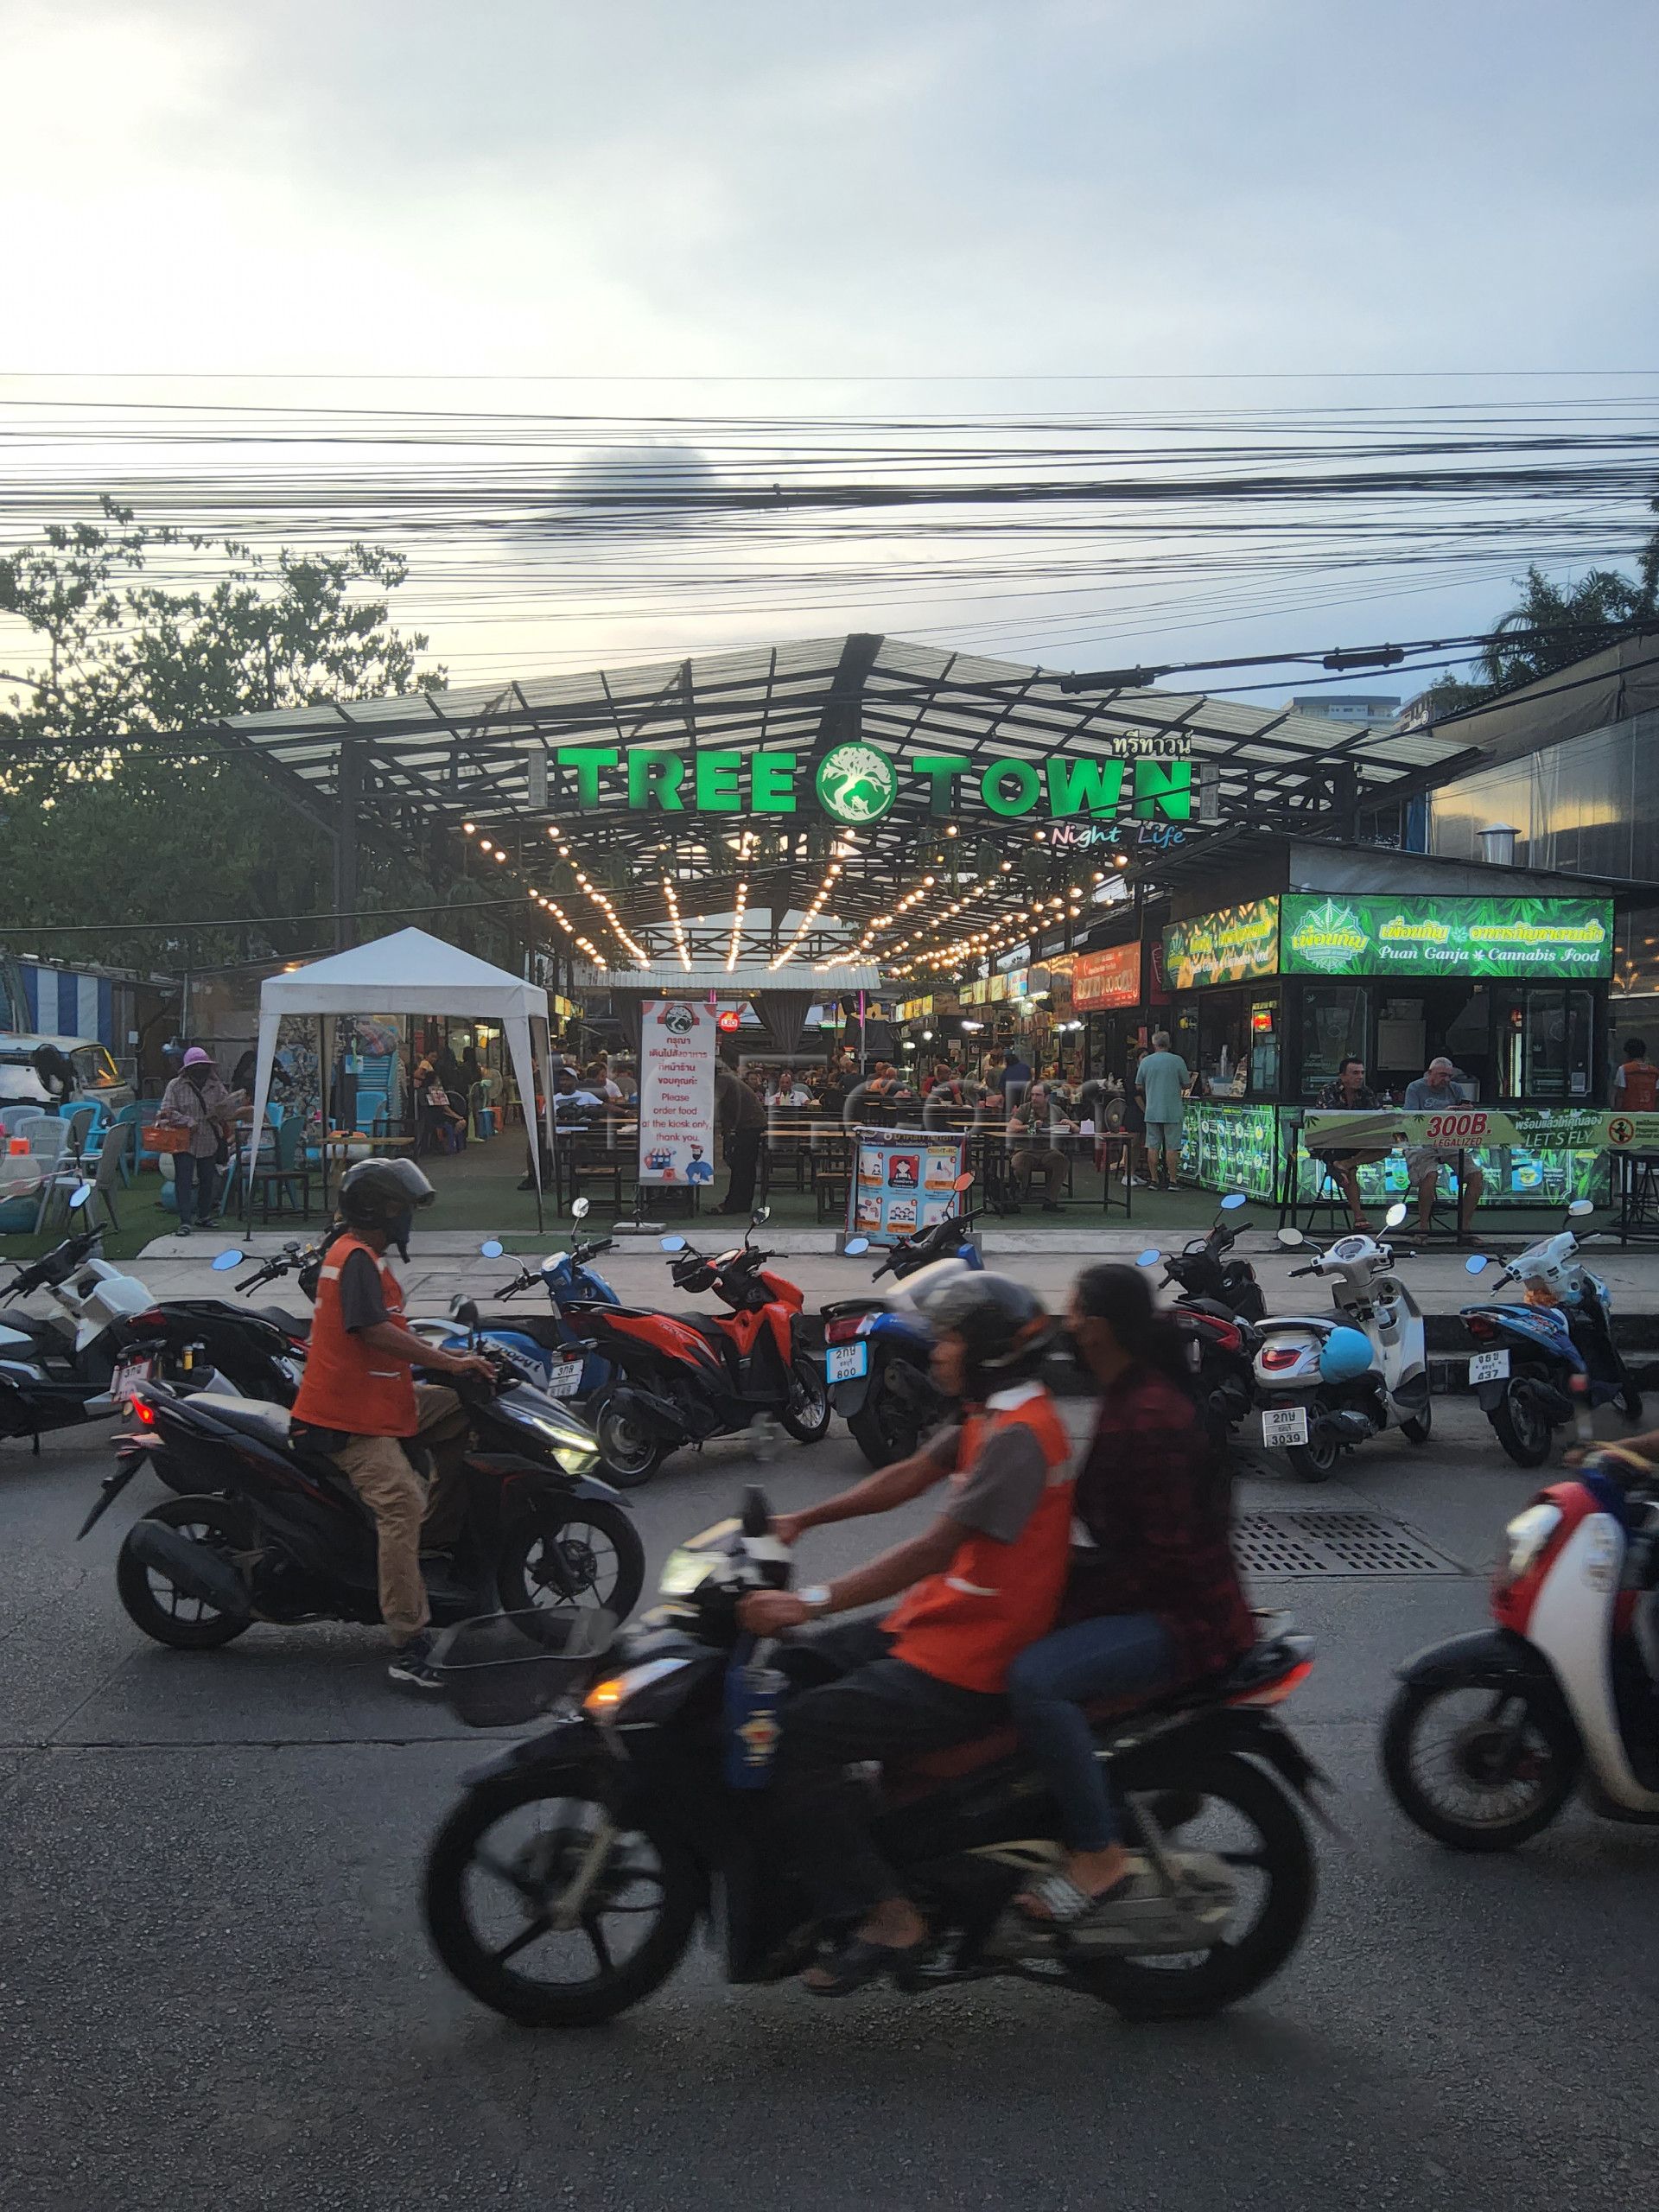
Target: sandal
{"x":858,"y":1962}
{"x":1067,"y":1906}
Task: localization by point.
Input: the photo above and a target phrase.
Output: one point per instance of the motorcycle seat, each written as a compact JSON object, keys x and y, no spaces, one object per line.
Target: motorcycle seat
{"x":39,"y":1329}
{"x":253,"y":1416}
{"x":291,"y":1324}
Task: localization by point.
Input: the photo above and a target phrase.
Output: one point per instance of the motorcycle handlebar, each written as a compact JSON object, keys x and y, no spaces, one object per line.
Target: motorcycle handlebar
{"x":1312,"y":1268}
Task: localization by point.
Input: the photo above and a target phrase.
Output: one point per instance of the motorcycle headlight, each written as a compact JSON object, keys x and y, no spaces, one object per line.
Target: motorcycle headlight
{"x":1526,"y":1536}
{"x":576,"y":1458}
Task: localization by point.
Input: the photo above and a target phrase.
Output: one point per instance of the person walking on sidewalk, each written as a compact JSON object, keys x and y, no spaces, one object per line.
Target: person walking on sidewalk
{"x":196,"y":1100}
{"x":741,"y":1120}
{"x":1161,"y":1080}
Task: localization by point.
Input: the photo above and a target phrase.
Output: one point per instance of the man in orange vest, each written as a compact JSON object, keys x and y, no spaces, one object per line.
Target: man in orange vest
{"x":981,"y":1583}
{"x":1635,"y":1080}
{"x":359,"y":1401}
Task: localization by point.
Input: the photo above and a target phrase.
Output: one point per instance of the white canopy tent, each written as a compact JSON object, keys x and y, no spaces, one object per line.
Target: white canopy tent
{"x":409,"y":973}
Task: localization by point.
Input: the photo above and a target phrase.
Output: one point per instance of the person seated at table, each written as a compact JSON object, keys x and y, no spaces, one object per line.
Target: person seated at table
{"x":438,"y":1126}
{"x":788,"y":1090}
{"x":1034,"y":1125}
{"x":627,"y":1083}
{"x":1347,"y":1094}
{"x":1435,"y":1091}
{"x":942,"y":1084}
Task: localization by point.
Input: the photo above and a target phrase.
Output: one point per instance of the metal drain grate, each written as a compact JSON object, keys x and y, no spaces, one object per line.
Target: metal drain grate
{"x":1333,"y":1543}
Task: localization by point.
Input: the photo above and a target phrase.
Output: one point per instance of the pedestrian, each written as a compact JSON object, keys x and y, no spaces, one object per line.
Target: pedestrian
{"x":1435,"y":1091}
{"x":1161,"y":1080}
{"x":741,"y":1120}
{"x":197,"y":1101}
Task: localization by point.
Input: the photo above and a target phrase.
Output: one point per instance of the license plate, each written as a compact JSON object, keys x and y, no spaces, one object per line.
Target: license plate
{"x":1489,"y":1367}
{"x":565,"y":1380}
{"x":846,"y":1362}
{"x":127,"y":1377}
{"x":1282,"y":1425}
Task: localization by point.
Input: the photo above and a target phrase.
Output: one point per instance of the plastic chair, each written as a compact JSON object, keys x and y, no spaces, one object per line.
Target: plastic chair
{"x":123,"y":1134}
{"x":48,"y":1138}
{"x":15,"y":1120}
{"x":286,"y":1170}
{"x":83,"y":1122}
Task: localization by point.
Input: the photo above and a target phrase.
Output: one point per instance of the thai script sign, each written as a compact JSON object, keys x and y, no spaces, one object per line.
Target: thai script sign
{"x":1233,"y":946}
{"x":905,"y":1179}
{"x":1110,"y":977}
{"x":1336,"y":936}
{"x":677,"y":1042}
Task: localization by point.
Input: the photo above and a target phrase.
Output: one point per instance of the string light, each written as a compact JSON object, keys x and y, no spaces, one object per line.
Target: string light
{"x":819,"y":897}
{"x":675,"y":922}
{"x":737,"y":924}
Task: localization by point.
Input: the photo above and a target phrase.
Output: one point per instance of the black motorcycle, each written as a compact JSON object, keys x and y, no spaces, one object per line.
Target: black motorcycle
{"x":566,"y":1883}
{"x":1219,"y":1301}
{"x":273,"y":1531}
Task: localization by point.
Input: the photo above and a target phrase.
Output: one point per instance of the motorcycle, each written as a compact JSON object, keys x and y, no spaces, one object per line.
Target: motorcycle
{"x":683,"y":1378}
{"x":566,"y":1884}
{"x":1490,"y":1732}
{"x":1327,"y":1381}
{"x":1209,"y":1280}
{"x":546,"y":1350}
{"x":1220,"y":1301}
{"x":273,"y":1530}
{"x":1535,"y":1352}
{"x":877,"y":1349}
{"x":107,"y":1332}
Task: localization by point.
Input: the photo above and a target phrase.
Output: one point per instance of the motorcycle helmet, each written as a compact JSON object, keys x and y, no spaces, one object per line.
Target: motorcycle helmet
{"x":384,"y":1194}
{"x":1346,"y":1354}
{"x":1006,"y":1329}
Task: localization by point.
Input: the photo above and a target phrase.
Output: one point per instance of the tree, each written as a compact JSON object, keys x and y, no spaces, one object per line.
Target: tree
{"x":101,"y":818}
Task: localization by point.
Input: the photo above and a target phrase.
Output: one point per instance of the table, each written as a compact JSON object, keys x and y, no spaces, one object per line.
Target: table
{"x":1638,"y":1196}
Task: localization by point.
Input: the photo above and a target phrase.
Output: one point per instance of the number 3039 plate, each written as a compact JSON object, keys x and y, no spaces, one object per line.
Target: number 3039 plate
{"x":1283,"y":1424}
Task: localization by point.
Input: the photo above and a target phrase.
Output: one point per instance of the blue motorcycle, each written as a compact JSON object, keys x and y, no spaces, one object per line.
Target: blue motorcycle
{"x":877,"y":1349}
{"x":549,"y":1351}
{"x":1535,"y":1359}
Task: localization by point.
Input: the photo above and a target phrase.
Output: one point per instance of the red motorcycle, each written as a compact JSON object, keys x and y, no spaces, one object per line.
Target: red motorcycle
{"x":684,"y":1377}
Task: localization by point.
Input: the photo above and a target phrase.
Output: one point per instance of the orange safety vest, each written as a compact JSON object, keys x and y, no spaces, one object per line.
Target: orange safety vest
{"x":967,"y":1625}
{"x":345,"y":1386}
{"x":1636,"y":1094}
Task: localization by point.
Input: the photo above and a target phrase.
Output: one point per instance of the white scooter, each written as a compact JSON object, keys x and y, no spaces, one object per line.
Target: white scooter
{"x":1326,"y":1382}
{"x":1490,"y":1732}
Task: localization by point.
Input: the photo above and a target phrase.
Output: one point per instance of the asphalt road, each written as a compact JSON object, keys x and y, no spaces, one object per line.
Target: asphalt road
{"x":216,"y":1991}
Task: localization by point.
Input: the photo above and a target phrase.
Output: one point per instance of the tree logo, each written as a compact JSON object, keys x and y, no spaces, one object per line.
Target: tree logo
{"x":679,"y":1021}
{"x":855,"y":784}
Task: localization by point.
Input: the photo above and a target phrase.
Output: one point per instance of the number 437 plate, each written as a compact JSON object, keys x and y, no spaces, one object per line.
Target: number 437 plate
{"x":1283,"y":1424}
{"x":1489,"y":1366}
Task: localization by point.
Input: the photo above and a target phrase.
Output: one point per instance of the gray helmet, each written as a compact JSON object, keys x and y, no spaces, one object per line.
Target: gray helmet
{"x":1006,"y":1328}
{"x":382,"y":1194}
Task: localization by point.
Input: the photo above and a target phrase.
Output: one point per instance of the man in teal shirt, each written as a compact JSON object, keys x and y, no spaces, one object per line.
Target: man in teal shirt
{"x":1161,"y":1079}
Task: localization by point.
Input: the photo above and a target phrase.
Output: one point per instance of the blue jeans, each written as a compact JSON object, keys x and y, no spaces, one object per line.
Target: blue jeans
{"x":194,"y":1181}
{"x":1116,"y":1655}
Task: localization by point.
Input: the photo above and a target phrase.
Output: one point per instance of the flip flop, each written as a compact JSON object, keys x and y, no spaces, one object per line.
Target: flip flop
{"x":859,"y":1962}
{"x":1067,"y":1906}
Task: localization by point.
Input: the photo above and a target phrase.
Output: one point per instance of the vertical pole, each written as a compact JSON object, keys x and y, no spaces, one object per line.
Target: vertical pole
{"x":348,"y":793}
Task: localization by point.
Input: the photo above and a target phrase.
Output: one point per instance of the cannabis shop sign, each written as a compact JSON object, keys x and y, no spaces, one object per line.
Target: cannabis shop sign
{"x":1333,"y":936}
{"x":857,"y":783}
{"x":1234,"y":945}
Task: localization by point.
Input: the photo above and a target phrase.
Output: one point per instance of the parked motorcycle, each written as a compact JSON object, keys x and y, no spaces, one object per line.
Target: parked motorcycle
{"x":1534,"y":1352}
{"x":1220,"y":1301}
{"x":548,"y":1350}
{"x":105,"y":1332}
{"x":273,"y":1530}
{"x":566,"y":1883}
{"x":683,"y":1378}
{"x":1326,"y":1382}
{"x":1492,"y":1732}
{"x":1209,"y":1280}
{"x":877,"y":1349}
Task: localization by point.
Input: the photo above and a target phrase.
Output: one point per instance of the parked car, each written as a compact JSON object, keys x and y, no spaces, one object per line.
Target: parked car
{"x":97,"y":1076}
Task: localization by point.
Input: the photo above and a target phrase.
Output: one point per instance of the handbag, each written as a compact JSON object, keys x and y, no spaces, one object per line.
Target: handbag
{"x":159,"y":1138}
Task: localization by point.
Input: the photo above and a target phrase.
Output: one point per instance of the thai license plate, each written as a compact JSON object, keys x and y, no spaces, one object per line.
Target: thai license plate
{"x":1283,"y":1424}
{"x":565,"y":1380}
{"x":127,"y":1377}
{"x":846,"y":1362}
{"x":1489,"y":1367}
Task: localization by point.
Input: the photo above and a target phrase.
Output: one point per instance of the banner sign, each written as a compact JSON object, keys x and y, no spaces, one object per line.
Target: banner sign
{"x":1233,"y":946}
{"x":677,"y":1043}
{"x":905,"y":1179}
{"x":1337,"y":936}
{"x":1111,"y":977}
{"x":1456,"y":1128}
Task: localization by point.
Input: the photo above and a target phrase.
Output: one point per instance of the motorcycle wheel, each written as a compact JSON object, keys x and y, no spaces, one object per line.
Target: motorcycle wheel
{"x":493,"y":1878}
{"x":166,"y":1613}
{"x":631,"y":1452}
{"x":1273,"y":1862}
{"x":1521,"y":1430}
{"x":1488,"y":1779}
{"x":1314,"y":1463}
{"x":882,"y":1430}
{"x":807,"y":1414}
{"x":1419,"y":1430}
{"x":599,"y":1549}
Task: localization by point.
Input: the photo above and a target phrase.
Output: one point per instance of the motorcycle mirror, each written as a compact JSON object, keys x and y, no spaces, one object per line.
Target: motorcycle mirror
{"x":1394,"y":1216}
{"x":964,"y":1181}
{"x":1475,"y":1264}
{"x":757,"y":1513}
{"x":491,"y":1249}
{"x":466,"y":1312}
{"x":1576,"y":1212}
{"x":79,"y":1197}
{"x":1233,"y":1200}
{"x":1149,"y":1258}
{"x":292,"y":1247}
{"x":761,"y":1217}
{"x":672,"y":1245}
{"x":1290,"y":1238}
{"x":579,"y":1209}
{"x":224,"y":1261}
{"x":855,"y":1248}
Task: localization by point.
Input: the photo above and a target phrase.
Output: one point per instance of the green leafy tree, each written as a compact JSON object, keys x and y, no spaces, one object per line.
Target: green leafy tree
{"x":102,"y":818}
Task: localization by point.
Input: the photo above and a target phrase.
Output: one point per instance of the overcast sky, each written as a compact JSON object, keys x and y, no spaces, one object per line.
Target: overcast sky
{"x":1217,"y":188}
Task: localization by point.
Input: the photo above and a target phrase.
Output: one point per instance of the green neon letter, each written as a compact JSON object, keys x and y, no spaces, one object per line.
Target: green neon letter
{"x":655,"y":776}
{"x":992,"y":786}
{"x":1163,"y":787}
{"x":1084,"y":786}
{"x":717,"y":774}
{"x":587,"y":760}
{"x":941,"y":770}
{"x":772,"y":783}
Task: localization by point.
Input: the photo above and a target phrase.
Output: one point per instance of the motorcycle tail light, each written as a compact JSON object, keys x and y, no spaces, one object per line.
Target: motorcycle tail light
{"x":1276,"y":1693}
{"x":1479,"y":1326}
{"x":154,"y":1318}
{"x":1279,"y":1356}
{"x":843,"y":1331}
{"x":143,"y":1412}
{"x":1226,"y":1337}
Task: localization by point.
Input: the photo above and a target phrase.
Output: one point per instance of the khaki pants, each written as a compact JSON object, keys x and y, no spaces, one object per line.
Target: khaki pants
{"x":379,"y":1470}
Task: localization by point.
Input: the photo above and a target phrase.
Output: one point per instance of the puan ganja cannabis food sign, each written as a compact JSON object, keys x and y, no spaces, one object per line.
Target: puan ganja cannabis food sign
{"x":1332,"y":935}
